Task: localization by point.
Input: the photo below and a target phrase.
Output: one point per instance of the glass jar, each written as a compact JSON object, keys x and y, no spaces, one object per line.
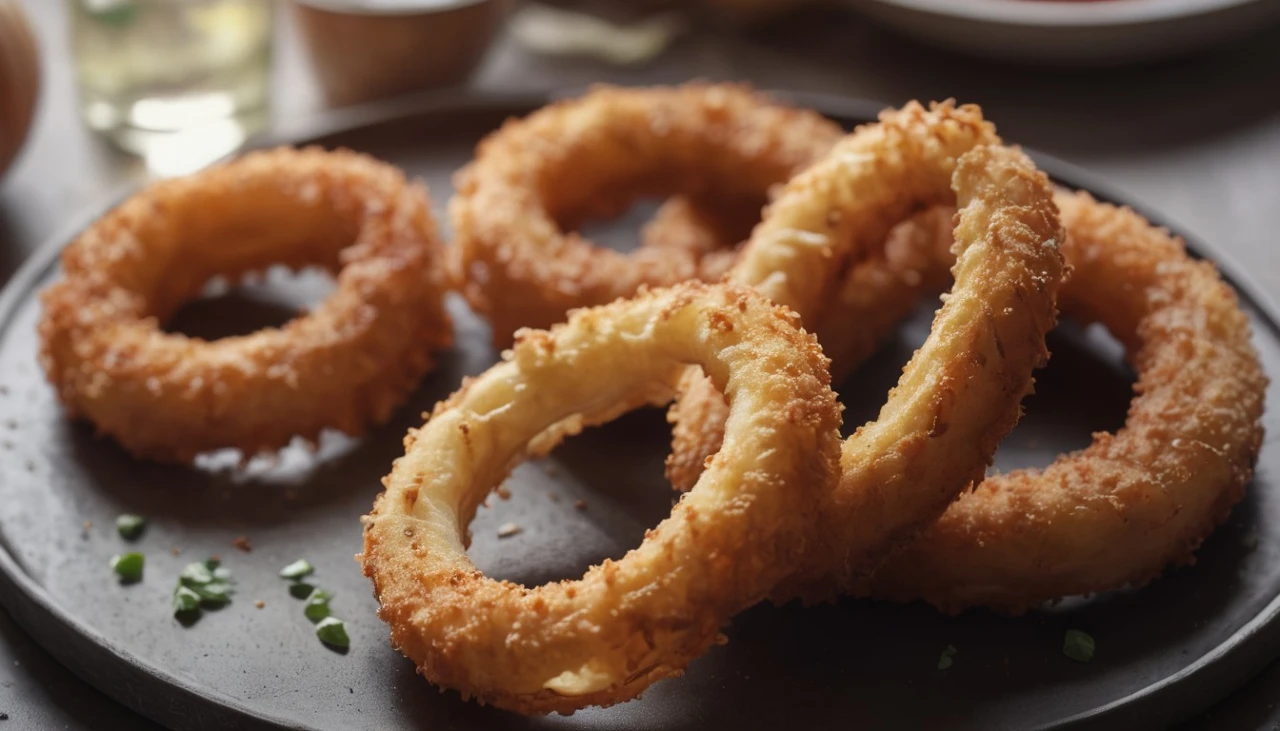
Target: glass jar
{"x":177,"y":75}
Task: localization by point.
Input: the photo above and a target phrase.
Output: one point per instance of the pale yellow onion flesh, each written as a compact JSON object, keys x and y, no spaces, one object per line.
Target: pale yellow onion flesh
{"x":627,"y":623}
{"x":1136,"y":501}
{"x":961,"y":393}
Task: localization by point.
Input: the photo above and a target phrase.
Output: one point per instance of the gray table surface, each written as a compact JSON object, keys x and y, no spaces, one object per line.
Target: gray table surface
{"x":1197,"y":139}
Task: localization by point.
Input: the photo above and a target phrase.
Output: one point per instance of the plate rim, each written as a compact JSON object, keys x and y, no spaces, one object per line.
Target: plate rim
{"x":1227,"y":665}
{"x":1059,"y":14}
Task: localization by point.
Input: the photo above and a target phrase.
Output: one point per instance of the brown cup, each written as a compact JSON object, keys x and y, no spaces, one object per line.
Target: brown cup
{"x":361,"y":52}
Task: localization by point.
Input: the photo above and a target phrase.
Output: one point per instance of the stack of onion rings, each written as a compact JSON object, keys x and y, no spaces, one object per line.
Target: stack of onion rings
{"x":748,"y":528}
{"x":879,"y":291}
{"x":594,"y":156}
{"x":626,"y":624}
{"x":960,"y":394}
{"x":1134,"y":502}
{"x":775,"y":505}
{"x":346,"y":365}
{"x":881,"y":173}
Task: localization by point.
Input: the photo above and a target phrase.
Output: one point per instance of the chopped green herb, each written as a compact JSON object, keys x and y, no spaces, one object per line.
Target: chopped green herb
{"x":945,"y":661}
{"x":332,"y":631}
{"x":215,"y":592}
{"x":317,"y":607}
{"x":1078,"y":645}
{"x":195,"y":574}
{"x":297,"y":570}
{"x":130,"y":526}
{"x":185,"y":600}
{"x":128,"y":566}
{"x":301,"y":590}
{"x":316,"y":612}
{"x":203,"y":584}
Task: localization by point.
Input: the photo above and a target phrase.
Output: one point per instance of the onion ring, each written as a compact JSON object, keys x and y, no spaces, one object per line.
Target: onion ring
{"x":596,"y":155}
{"x":346,"y":365}
{"x":960,"y":394}
{"x":625,"y":624}
{"x":1134,"y":502}
{"x":878,"y":292}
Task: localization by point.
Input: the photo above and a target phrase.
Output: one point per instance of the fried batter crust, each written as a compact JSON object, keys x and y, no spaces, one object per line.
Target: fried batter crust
{"x":594,"y":156}
{"x":604,"y":638}
{"x":345,"y":365}
{"x":1135,"y":501}
{"x":961,"y":392}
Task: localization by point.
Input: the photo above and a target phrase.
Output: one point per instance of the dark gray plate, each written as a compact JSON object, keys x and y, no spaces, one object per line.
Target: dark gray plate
{"x":1163,"y":652}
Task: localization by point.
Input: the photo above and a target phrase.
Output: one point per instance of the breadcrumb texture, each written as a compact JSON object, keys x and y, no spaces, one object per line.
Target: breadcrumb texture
{"x":879,"y":291}
{"x":1135,"y":501}
{"x":834,"y":214}
{"x":345,"y":365}
{"x":961,"y":392}
{"x":604,"y":638}
{"x":595,"y":156}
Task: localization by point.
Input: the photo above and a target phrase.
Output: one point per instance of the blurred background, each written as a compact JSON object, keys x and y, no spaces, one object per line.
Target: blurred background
{"x":1172,"y":102}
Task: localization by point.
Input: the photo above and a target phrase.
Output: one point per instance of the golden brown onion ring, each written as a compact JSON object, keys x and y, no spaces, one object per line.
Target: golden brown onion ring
{"x":880,"y":291}
{"x":1135,"y":501}
{"x":345,"y":365}
{"x":960,"y":394}
{"x":595,"y":155}
{"x":606,"y":637}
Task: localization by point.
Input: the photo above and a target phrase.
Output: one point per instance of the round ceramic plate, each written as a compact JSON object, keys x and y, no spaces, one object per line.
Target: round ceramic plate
{"x":1065,"y":32}
{"x":1163,"y":652}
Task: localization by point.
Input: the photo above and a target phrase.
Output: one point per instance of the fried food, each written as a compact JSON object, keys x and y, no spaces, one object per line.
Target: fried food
{"x":873,"y":180}
{"x":346,"y":365}
{"x":1135,"y":501}
{"x":626,"y":624}
{"x":961,"y":392}
{"x":594,"y":156}
{"x":878,"y":292}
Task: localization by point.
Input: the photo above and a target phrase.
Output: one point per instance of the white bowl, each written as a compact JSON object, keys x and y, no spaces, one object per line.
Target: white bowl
{"x":1060,"y":32}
